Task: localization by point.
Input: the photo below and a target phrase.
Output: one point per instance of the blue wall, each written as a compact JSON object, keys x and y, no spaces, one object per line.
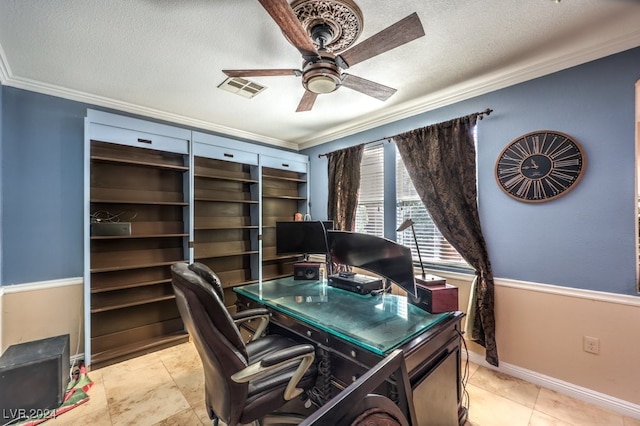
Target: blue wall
{"x":42,"y":143}
{"x":42,"y":163}
{"x":585,"y":239}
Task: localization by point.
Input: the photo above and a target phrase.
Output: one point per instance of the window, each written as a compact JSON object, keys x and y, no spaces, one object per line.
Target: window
{"x":433,"y":246}
{"x":370,"y":213}
{"x":434,"y":249}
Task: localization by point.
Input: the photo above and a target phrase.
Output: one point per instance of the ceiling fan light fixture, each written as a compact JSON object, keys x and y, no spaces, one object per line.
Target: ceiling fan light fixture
{"x":321,"y":84}
{"x":322,"y":76}
{"x":321,"y":69}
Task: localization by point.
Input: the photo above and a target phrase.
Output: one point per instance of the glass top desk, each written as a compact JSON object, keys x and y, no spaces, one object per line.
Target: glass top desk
{"x":353,"y":332}
{"x":379,"y":324}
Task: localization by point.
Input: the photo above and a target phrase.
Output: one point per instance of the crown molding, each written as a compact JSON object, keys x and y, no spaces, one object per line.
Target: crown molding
{"x":75,"y":95}
{"x":524,"y":71}
{"x":519,"y":73}
{"x":5,"y":71}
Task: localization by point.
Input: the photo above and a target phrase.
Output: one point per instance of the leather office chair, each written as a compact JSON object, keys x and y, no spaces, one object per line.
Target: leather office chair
{"x":260,"y":314}
{"x":243,"y":383}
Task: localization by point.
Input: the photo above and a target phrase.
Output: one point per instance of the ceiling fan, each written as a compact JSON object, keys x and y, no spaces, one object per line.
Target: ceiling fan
{"x":321,"y":69}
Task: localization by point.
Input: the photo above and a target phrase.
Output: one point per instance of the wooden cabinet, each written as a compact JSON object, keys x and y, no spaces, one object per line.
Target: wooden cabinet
{"x":226,"y":215}
{"x":131,"y":306}
{"x":184,"y":196}
{"x":284,"y":193}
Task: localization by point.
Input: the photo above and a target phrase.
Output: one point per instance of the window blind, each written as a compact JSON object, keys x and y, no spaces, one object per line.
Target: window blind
{"x":370,"y":213}
{"x":434,"y":248}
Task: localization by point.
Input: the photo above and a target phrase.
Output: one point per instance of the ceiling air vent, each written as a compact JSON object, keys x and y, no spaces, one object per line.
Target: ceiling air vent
{"x":242,"y":87}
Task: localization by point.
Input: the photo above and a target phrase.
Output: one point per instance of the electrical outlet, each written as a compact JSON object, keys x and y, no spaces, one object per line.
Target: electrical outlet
{"x":591,"y":344}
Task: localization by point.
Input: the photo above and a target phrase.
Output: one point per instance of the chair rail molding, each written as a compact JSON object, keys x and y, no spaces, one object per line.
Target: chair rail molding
{"x":40,"y":285}
{"x":600,"y":296}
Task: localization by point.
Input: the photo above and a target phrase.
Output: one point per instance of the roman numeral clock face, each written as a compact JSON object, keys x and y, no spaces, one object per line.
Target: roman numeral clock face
{"x":540,"y":166}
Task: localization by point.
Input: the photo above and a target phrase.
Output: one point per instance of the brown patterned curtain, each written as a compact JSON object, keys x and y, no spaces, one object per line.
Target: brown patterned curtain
{"x":440,"y":160}
{"x":344,"y":183}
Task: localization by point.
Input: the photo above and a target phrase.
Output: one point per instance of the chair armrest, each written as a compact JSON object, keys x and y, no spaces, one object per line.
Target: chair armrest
{"x":286,"y":354}
{"x":251,"y":314}
{"x":303,"y":355}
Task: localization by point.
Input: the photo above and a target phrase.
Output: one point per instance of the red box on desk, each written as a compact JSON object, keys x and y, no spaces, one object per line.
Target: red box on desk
{"x":437,"y":297}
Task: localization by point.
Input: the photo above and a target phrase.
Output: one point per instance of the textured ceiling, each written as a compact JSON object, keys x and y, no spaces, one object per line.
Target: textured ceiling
{"x":163,"y":58}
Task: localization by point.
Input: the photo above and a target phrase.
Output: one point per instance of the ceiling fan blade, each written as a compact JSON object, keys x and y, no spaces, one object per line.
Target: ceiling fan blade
{"x":307,"y":101}
{"x":367,"y":87}
{"x":262,"y":73}
{"x":403,"y":31}
{"x":285,"y":17}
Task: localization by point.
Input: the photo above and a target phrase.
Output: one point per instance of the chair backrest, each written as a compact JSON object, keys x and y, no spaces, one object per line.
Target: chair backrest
{"x":216,"y":339}
{"x":209,"y":276}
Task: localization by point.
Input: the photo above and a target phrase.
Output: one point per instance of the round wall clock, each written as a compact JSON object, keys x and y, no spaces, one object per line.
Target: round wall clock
{"x":540,"y":166}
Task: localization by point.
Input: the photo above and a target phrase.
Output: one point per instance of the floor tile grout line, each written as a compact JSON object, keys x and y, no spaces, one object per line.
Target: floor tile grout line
{"x":191,"y":407}
{"x":479,"y":385}
{"x":106,"y":397}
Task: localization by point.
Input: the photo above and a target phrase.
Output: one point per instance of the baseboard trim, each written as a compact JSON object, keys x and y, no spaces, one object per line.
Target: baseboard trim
{"x":77,"y":358}
{"x":578,"y":392}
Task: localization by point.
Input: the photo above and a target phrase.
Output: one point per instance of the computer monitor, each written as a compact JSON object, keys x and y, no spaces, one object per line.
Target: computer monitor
{"x":302,"y":237}
{"x":375,"y":254}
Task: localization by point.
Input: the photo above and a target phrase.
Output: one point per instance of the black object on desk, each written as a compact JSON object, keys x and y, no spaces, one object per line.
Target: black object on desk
{"x":381,"y":256}
{"x":306,"y":271}
{"x":361,"y":284}
{"x":302,"y":237}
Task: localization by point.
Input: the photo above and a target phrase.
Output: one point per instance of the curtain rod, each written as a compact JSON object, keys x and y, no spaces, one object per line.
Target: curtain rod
{"x":480,"y":115}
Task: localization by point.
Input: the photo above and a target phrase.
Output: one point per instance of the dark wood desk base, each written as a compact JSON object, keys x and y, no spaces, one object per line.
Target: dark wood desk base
{"x":432,"y":359}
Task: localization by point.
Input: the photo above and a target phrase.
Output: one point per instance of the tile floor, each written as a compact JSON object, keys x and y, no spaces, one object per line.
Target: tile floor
{"x":167,"y":388}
